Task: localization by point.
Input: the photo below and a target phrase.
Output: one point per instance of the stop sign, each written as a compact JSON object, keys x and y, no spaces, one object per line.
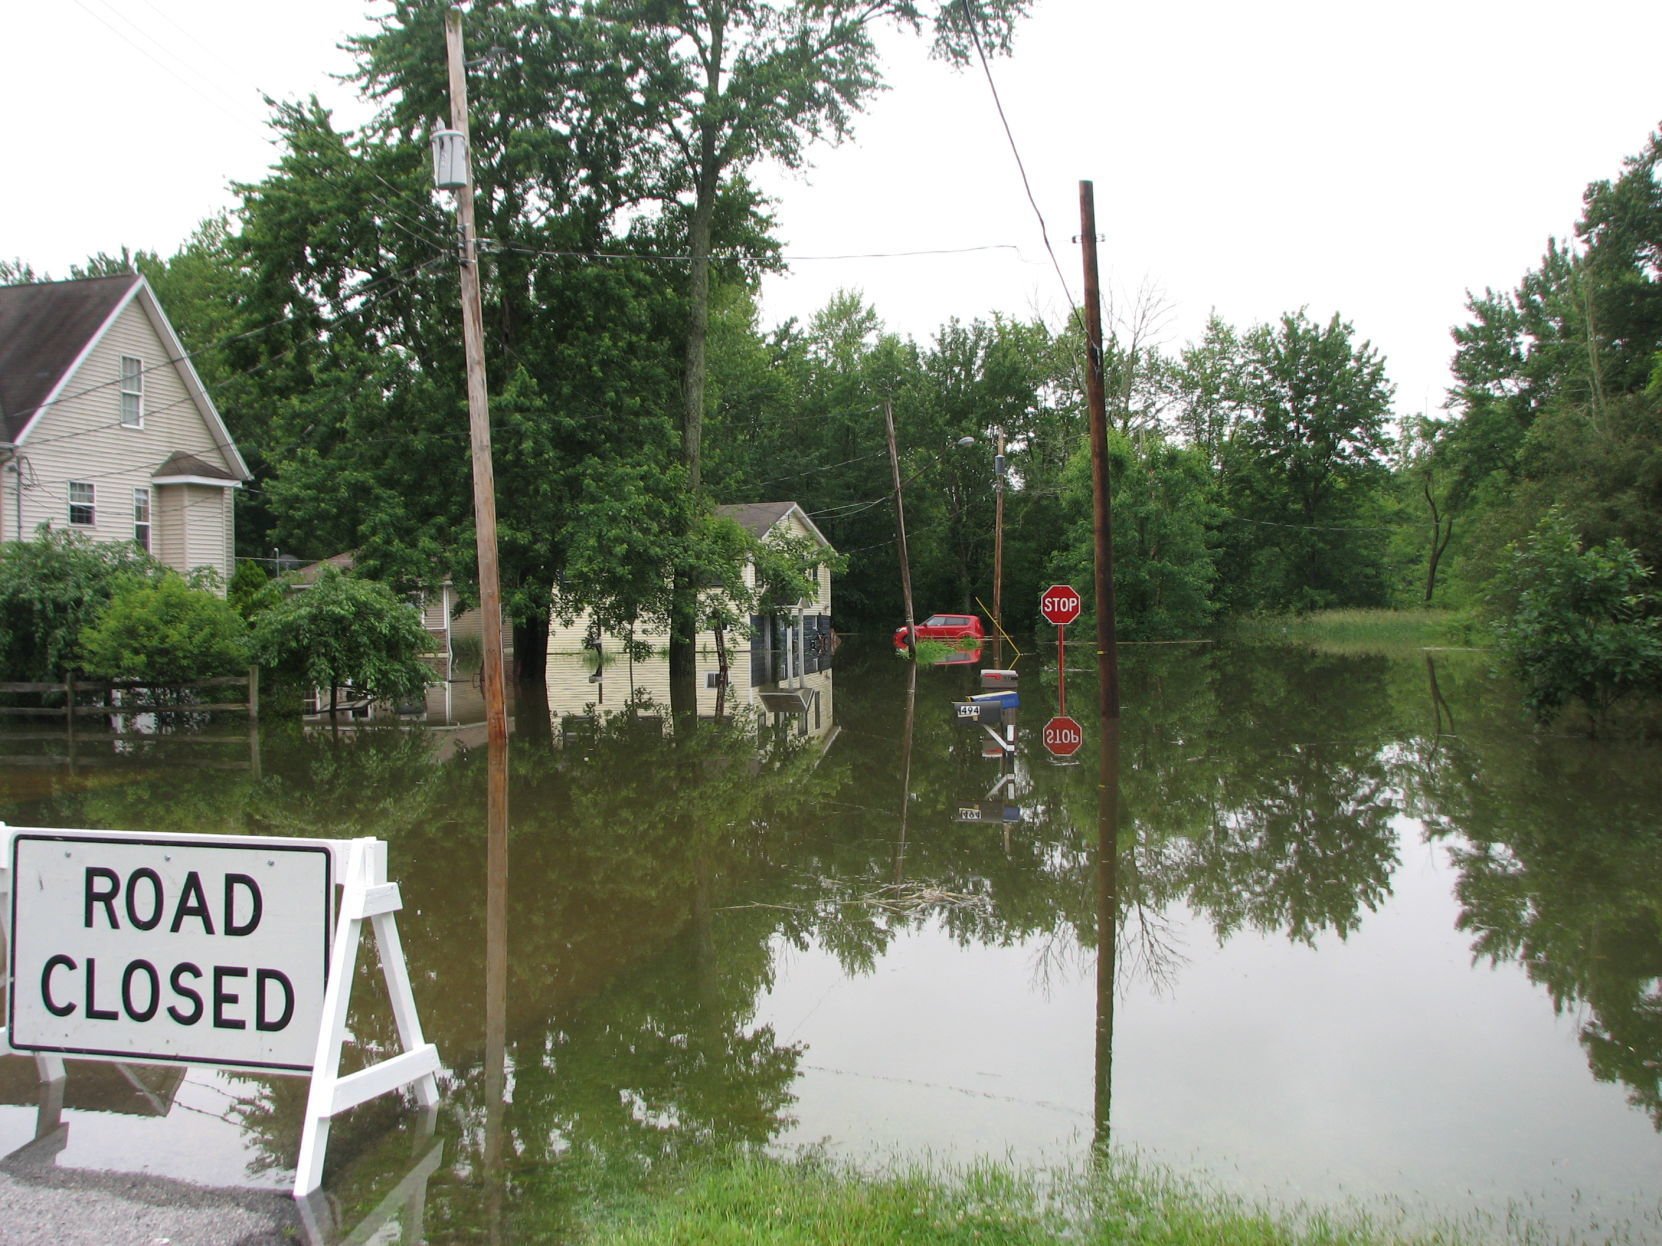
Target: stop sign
{"x":1060,"y":604}
{"x":1063,"y":735}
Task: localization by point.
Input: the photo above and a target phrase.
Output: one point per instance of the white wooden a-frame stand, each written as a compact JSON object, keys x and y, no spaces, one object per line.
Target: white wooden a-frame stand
{"x":360,"y":868}
{"x":366,"y":896}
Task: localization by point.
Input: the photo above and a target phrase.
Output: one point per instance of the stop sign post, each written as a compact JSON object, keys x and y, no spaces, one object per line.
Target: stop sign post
{"x":1063,"y":736}
{"x":1060,"y":604}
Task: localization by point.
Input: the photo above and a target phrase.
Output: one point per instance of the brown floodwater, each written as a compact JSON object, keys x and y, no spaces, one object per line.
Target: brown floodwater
{"x":1343,"y":929}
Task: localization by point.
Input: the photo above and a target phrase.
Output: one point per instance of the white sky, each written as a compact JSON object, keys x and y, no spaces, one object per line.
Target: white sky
{"x":1254,"y":158}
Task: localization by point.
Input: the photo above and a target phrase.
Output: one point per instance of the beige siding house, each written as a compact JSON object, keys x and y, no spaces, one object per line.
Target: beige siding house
{"x":105,"y":428}
{"x":784,"y":636}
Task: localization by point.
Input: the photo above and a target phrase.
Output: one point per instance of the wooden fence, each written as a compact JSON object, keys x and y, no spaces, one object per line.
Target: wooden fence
{"x":74,"y":691}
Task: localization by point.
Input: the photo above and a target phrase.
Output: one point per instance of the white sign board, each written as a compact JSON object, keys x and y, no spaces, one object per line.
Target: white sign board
{"x":195,"y":949}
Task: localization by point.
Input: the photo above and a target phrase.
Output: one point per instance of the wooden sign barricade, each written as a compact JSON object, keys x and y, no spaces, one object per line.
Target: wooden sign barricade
{"x":188,"y":903}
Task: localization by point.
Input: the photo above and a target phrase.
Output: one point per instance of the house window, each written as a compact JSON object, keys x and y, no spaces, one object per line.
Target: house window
{"x":141,"y":519}
{"x":82,"y":513}
{"x":132,"y":392}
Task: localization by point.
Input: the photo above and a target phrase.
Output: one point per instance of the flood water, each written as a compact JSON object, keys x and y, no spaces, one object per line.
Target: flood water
{"x":1350,"y":932}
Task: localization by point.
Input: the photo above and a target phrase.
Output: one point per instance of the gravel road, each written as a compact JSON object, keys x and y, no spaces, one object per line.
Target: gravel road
{"x":45,"y":1206}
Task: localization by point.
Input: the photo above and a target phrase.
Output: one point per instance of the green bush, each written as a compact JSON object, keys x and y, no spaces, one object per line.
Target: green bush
{"x":51,"y":588}
{"x":346,"y":631}
{"x":252,"y":592}
{"x":1577,"y":624}
{"x":165,"y":631}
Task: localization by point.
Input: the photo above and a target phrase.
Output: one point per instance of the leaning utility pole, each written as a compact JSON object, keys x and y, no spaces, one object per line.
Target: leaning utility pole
{"x":900,"y":522}
{"x":1107,"y":646}
{"x":478,"y":403}
{"x":998,"y":552}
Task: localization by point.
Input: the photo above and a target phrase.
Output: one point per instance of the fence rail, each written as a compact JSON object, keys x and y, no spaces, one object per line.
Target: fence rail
{"x":73,"y":690}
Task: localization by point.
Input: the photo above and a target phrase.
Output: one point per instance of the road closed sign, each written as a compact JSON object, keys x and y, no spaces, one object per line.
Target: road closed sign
{"x":193,"y":949}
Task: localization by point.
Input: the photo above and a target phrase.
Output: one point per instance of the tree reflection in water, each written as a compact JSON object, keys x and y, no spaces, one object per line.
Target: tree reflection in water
{"x":658,"y":880}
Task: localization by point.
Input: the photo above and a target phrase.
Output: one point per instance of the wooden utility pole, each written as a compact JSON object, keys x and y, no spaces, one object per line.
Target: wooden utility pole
{"x":900,"y":522}
{"x":1107,"y":645}
{"x":478,"y":406}
{"x":998,"y":552}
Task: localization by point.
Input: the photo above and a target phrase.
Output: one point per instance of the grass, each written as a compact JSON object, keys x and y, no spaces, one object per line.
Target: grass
{"x":1365,"y":631}
{"x":751,"y":1200}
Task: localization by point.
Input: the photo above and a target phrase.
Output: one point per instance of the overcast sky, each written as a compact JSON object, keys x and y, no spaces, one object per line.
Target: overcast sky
{"x":1252,"y":158}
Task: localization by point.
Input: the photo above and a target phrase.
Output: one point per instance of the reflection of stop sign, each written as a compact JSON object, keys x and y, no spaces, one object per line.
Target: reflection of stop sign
{"x":1060,"y":604}
{"x":1063,"y":735}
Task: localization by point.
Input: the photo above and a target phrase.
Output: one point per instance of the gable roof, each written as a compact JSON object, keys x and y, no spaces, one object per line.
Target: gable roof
{"x":44,"y":329}
{"x":759,"y":518}
{"x":47,"y":329}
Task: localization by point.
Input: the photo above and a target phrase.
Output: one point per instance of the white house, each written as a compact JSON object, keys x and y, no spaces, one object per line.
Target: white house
{"x":105,"y":427}
{"x":791,"y":641}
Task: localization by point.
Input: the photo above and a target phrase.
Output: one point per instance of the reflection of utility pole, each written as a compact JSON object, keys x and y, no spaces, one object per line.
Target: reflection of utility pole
{"x":1107,"y":652}
{"x":478,"y":402}
{"x":496,"y":974}
{"x":900,"y":522}
{"x":998,"y":552}
{"x":1107,"y":923}
{"x":906,"y":771}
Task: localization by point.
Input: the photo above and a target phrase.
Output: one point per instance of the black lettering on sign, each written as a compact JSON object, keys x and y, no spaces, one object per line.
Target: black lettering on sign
{"x":52,"y":1006}
{"x":135,"y":969}
{"x":263,"y":979}
{"x":192,"y":903}
{"x":154,"y":917}
{"x":255,"y":909}
{"x":176,"y":981}
{"x":223,"y":998}
{"x":97,"y":895}
{"x":94,"y":1012}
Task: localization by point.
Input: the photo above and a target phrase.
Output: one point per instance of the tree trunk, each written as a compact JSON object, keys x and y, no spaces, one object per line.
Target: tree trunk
{"x":531,"y":650}
{"x":683,"y":621}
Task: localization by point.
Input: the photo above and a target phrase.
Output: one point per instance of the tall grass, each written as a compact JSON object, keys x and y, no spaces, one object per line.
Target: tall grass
{"x":748,"y":1199}
{"x":1365,"y":631}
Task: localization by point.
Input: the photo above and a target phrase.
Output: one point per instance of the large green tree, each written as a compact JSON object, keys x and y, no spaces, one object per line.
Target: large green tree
{"x":740,"y":82}
{"x":1305,"y":469}
{"x":352,"y":258}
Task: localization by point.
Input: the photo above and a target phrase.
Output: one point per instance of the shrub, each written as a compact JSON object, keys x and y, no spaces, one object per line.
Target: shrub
{"x":252,"y":592}
{"x":165,"y":631}
{"x":346,"y":631}
{"x":1577,"y":624}
{"x":51,"y":588}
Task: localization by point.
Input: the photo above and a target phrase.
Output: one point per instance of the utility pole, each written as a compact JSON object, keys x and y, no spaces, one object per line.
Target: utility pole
{"x":1107,"y":646}
{"x":998,"y":552}
{"x":478,"y":403}
{"x":900,"y":521}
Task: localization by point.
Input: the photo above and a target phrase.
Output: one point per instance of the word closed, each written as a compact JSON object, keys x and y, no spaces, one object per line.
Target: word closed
{"x":195,"y":950}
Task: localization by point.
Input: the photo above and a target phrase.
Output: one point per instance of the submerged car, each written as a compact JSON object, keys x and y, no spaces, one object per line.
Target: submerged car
{"x":960,"y":629}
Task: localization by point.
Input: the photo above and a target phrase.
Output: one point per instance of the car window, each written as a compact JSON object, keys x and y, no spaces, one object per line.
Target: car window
{"x":936,"y":620}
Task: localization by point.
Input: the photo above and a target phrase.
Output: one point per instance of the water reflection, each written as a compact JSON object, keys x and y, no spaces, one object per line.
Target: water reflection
{"x":741,"y":934}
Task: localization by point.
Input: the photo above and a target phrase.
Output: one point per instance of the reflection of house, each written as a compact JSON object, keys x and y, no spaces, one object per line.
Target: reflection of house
{"x":791,"y":639}
{"x":105,"y":428}
{"x":608,"y":684}
{"x":442,"y":613}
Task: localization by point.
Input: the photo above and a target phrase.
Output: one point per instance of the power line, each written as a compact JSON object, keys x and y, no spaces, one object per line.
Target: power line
{"x":1021,"y":167}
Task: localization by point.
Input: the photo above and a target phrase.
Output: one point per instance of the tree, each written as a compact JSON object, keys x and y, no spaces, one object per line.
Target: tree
{"x":1164,"y":519}
{"x":165,"y":631}
{"x":344,"y":630}
{"x":746,"y":81}
{"x":51,"y":589}
{"x":1305,"y":470}
{"x":1577,"y":623}
{"x":351,"y":257}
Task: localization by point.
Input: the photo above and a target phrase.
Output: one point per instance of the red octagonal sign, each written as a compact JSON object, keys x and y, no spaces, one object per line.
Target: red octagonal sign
{"x":1060,"y":604}
{"x":1063,"y":736}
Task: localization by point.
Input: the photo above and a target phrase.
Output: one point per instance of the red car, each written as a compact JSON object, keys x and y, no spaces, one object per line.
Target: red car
{"x":964,"y":629}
